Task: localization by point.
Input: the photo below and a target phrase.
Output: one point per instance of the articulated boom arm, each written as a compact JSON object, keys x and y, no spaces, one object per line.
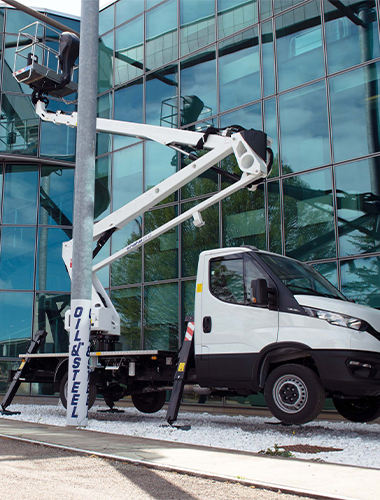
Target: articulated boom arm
{"x":249,"y":147}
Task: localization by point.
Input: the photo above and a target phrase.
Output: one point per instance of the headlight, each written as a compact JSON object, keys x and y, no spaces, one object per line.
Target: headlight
{"x":337,"y":319}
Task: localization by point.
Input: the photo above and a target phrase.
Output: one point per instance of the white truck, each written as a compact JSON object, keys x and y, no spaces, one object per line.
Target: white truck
{"x":263,"y":323}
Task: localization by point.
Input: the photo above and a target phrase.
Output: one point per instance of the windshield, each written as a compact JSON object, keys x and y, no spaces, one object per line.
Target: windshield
{"x":300,"y":278}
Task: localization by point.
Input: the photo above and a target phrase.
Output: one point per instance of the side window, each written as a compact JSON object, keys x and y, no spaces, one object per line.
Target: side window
{"x":226,"y":280}
{"x":252,"y":272}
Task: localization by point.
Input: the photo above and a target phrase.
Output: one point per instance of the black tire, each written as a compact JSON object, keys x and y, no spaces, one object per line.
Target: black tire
{"x":149,"y":402}
{"x":294,"y":394}
{"x":63,"y":392}
{"x":363,"y":409}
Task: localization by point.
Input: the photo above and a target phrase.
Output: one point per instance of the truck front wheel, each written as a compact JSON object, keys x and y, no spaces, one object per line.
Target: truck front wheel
{"x":363,"y":409}
{"x":149,"y":402}
{"x":294,"y":394}
{"x":63,"y":392}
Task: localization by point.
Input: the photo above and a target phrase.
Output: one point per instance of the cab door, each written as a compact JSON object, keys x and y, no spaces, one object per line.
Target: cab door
{"x":234,"y":328}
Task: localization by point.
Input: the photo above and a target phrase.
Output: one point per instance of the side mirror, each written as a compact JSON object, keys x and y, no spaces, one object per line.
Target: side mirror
{"x":261,"y":294}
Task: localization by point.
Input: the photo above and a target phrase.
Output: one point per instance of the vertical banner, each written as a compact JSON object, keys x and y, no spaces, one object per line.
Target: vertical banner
{"x":79,"y":363}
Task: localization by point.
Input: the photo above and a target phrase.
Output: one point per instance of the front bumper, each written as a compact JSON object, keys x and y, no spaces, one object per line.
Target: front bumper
{"x":350,"y":373}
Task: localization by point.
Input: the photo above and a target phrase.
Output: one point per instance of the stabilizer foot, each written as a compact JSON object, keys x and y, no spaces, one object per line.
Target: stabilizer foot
{"x":8,"y":412}
{"x":179,"y":427}
{"x":111,"y":410}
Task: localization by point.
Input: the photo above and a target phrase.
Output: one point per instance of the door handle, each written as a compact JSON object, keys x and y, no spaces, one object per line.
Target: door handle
{"x":207,"y":324}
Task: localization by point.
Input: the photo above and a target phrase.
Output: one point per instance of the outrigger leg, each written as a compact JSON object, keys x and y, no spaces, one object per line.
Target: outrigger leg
{"x":33,"y":347}
{"x":180,"y":376}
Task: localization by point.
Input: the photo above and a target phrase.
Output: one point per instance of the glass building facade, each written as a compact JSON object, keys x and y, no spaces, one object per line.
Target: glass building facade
{"x":306,"y":72}
{"x":36,"y":207}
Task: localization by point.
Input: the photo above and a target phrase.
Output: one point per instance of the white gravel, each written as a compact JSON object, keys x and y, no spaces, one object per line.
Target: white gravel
{"x":359,"y":443}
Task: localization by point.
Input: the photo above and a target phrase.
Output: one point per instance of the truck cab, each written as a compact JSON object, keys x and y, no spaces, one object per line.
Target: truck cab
{"x":268,"y":323}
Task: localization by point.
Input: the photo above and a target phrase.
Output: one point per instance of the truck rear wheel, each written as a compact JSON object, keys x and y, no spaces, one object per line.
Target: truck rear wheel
{"x":294,"y":394}
{"x":63,"y":392}
{"x":359,"y":410}
{"x":149,"y":402}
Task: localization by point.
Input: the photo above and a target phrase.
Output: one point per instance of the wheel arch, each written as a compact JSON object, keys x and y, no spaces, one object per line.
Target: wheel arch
{"x":277,"y":354}
{"x":61,"y":368}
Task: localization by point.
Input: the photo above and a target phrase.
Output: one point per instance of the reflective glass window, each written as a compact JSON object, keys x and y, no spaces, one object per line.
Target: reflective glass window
{"x":2,"y":19}
{"x":56,"y":196}
{"x":127,"y":302}
{"x":49,"y":315}
{"x":358,"y":202}
{"x":102,"y":186}
{"x":17,"y":258}
{"x":248,"y":117}
{"x":244,"y":219}
{"x":152,"y":3}
{"x":355,"y":113}
{"x":304,"y":128}
{"x":161,"y":35}
{"x":129,"y":50}
{"x":280,"y":5}
{"x":20,"y":194}
{"x":104,"y":110}
{"x":197,"y":20}
{"x":51,"y":271}
{"x":361,"y":281}
{"x":198,"y":87}
{"x":16,"y":317}
{"x":196,"y":239}
{"x":161,"y":97}
{"x":161,"y":254}
{"x":104,"y":140}
{"x":349,"y":42}
{"x":127,"y":270}
{"x":299,"y":46}
{"x":328,"y":271}
{"x":239,"y":70}
{"x":235,"y":15}
{"x":265,"y":9}
{"x":126,"y":9}
{"x":160,"y":163}
{"x":161,"y":317}
{"x":270,"y":127}
{"x":268,"y":58}
{"x":105,"y":62}
{"x":106,"y":18}
{"x":5,"y":366}
{"x":17,"y":19}
{"x":188,"y":303}
{"x":274,"y":217}
{"x":58,"y":142}
{"x":18,"y":125}
{"x":127,"y":175}
{"x":71,"y":23}
{"x":309,"y":216}
{"x":128,"y":106}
